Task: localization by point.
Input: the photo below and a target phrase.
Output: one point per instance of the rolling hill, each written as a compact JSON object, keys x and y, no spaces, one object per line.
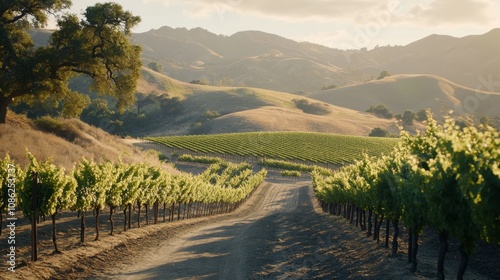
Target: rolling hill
{"x":242,"y":109}
{"x":258,"y":59}
{"x":414,"y":92}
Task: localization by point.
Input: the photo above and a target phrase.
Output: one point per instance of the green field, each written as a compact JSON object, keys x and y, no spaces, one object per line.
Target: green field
{"x":302,"y":146}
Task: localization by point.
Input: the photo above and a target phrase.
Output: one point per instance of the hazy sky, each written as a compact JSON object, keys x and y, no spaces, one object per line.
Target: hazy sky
{"x":334,"y":23}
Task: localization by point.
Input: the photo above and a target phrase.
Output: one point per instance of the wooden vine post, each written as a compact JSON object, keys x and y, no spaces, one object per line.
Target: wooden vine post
{"x":34,"y":206}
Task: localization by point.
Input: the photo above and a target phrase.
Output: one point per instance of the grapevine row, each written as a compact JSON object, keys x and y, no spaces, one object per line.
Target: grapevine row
{"x":303,"y":146}
{"x":447,"y":178}
{"x":118,"y":186}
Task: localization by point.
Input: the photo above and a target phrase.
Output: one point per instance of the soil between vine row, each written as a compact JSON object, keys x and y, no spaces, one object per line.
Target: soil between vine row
{"x":280,"y":233}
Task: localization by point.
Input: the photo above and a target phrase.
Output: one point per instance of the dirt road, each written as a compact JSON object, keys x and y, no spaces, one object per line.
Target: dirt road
{"x":230,"y":249}
{"x":279,"y":234}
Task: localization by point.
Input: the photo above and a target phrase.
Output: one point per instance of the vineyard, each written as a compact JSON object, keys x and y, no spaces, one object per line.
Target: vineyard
{"x":301,"y":146}
{"x":447,"y":178}
{"x":44,"y":190}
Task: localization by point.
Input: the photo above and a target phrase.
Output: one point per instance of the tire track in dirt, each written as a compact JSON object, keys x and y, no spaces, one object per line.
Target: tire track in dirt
{"x":216,"y":251}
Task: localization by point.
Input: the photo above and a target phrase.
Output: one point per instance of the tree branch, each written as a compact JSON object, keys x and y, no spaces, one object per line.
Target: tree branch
{"x":88,"y":73}
{"x":15,"y":19}
{"x":17,"y":93}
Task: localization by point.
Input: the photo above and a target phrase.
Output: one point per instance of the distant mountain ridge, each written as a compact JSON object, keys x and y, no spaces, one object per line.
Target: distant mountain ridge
{"x":252,"y":58}
{"x":413,"y":92}
{"x":260,"y":59}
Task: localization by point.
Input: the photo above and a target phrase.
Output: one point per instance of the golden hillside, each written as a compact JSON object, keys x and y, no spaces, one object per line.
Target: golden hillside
{"x":251,"y":109}
{"x":414,"y":92}
{"x":80,"y":140}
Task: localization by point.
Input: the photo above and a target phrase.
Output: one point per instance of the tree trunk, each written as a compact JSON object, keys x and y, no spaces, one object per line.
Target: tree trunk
{"x":410,"y":243}
{"x":97,"y":212}
{"x":184,"y":211}
{"x":352,"y":214}
{"x":172,"y":213}
{"x":4,"y":103}
{"x":363,"y":217}
{"x":463,"y":263}
{"x":147,"y":213}
{"x":357,"y":216}
{"x":375,"y":226}
{"x":54,"y":233}
{"x":129,"y":215}
{"x":156,"y":206}
{"x":125,"y":219}
{"x":370,"y":225}
{"x":112,"y":223}
{"x":82,"y":227}
{"x":138,"y":214}
{"x":1,"y":221}
{"x":189,"y":210}
{"x":378,"y":227}
{"x":164,"y":211}
{"x":414,"y":251}
{"x":179,"y":213}
{"x":387,"y":228}
{"x":395,"y":223}
{"x":443,"y":239}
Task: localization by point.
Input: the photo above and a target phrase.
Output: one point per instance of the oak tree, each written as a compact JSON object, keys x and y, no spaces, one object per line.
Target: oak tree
{"x":97,"y":46}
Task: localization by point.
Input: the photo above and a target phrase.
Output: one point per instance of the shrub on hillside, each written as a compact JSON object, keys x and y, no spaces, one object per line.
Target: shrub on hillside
{"x":311,"y":108}
{"x":211,"y":114}
{"x":379,"y":132}
{"x":200,"y":82}
{"x":408,"y":117}
{"x":383,"y":74}
{"x":60,"y":127}
{"x":380,"y":110}
{"x":155,"y":66}
{"x":421,"y":115}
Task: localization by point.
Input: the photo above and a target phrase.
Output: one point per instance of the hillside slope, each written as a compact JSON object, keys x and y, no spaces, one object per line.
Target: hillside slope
{"x":272,"y":118}
{"x":414,"y":92}
{"x":241,"y":109}
{"x":21,"y":134}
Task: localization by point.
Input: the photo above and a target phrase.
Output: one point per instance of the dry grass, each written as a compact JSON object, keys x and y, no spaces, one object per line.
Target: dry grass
{"x":253,"y":109}
{"x":272,"y":118}
{"x":414,"y":92}
{"x":20,"y":135}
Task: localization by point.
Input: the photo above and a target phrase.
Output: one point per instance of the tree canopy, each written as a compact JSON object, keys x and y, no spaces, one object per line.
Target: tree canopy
{"x":379,"y":132}
{"x":408,"y":117}
{"x":380,"y":110}
{"x":97,"y":46}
